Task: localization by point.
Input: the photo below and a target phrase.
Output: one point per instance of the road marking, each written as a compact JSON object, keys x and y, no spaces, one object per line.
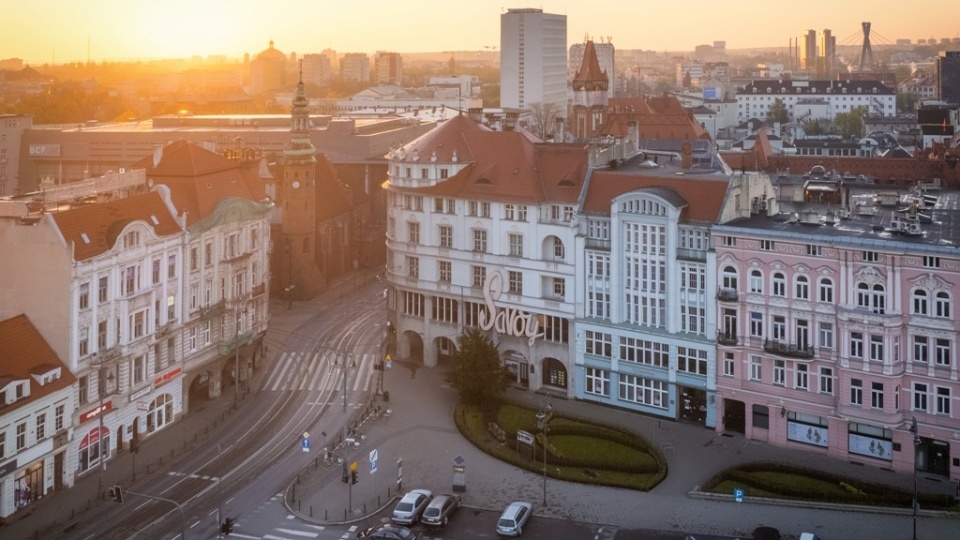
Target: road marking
{"x":298,"y":533}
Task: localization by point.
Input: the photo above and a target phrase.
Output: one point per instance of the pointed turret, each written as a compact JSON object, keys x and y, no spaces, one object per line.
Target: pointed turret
{"x":300,"y":151}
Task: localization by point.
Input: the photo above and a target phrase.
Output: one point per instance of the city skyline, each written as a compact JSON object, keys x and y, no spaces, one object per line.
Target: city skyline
{"x":122,"y":30}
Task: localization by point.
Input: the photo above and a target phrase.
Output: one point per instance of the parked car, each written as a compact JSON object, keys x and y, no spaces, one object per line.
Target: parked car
{"x":766,"y":533}
{"x":438,"y":512}
{"x":408,"y":510}
{"x":513,"y":519}
{"x":387,"y":532}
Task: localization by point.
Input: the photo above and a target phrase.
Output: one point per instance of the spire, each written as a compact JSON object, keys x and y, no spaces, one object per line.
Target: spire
{"x":300,"y":151}
{"x":590,"y":76}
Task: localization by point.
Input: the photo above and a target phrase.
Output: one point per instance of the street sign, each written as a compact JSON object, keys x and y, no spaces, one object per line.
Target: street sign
{"x":458,"y":461}
{"x":373,"y":461}
{"x":305,"y":444}
{"x":738,"y":495}
{"x":389,"y":362}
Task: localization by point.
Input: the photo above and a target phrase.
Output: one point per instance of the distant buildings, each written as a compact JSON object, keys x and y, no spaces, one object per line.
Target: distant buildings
{"x":388,"y":68}
{"x":606,"y":57}
{"x":268,"y":71}
{"x":948,"y":77}
{"x":533,"y":59}
{"x":755,"y":99}
{"x":317,"y":69}
{"x":355,"y":67}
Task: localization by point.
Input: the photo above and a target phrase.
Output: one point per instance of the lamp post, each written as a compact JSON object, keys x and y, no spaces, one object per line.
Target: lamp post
{"x":101,"y":390}
{"x":287,"y":290}
{"x":916,"y":445}
{"x":544,"y":414}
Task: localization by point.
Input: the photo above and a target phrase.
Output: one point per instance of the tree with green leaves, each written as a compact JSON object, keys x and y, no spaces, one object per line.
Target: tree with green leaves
{"x":849,"y":125}
{"x":907,"y":102}
{"x":478,"y":374}
{"x":778,"y":112}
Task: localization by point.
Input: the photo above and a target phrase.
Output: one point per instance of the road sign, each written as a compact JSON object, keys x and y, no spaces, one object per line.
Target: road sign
{"x":305,"y":444}
{"x":373,"y":461}
{"x":738,"y":495}
{"x":459,"y":461}
{"x":389,"y":362}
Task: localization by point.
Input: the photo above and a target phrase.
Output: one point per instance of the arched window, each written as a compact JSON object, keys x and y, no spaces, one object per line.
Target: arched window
{"x":878,"y":299}
{"x":779,"y":284}
{"x":802,"y":288}
{"x":826,"y":290}
{"x":729,"y":278}
{"x":943,"y":305}
{"x":920,"y":306}
{"x":756,"y":282}
{"x":863,"y":295}
{"x":559,"y":252}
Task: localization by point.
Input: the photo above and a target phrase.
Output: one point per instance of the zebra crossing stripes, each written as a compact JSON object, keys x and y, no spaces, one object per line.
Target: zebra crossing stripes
{"x":316,"y":371}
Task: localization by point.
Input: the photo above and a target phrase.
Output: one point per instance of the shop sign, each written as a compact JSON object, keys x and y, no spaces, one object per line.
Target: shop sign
{"x":506,"y":321}
{"x":94,"y":413}
{"x":868,"y":446}
{"x":167,"y":376}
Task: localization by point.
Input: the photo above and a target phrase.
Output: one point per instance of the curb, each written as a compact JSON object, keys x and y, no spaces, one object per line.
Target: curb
{"x":837,"y":507}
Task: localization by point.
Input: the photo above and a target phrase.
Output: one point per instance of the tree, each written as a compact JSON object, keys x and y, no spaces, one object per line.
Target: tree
{"x":542,"y":117}
{"x":816,"y":127}
{"x":478,"y":374}
{"x":778,"y":112}
{"x":907,"y":102}
{"x":849,"y":125}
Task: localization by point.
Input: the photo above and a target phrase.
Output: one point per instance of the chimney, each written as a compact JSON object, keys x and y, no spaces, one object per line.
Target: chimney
{"x":510,"y":121}
{"x":686,"y":154}
{"x":157,"y":154}
{"x":475,"y":114}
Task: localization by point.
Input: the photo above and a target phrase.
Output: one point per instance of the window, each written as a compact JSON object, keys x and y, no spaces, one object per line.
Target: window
{"x":870,"y":256}
{"x":931,"y":262}
{"x":826,"y":335}
{"x":171,"y":266}
{"x":41,"y":426}
{"x":826,"y":380}
{"x":230,"y":251}
{"x":643,"y":391}
{"x":779,"y":372}
{"x":942,"y":305}
{"x":920,"y":397}
{"x":139,"y":370}
{"x":856,"y":392}
{"x":921,"y":351}
{"x":446,"y":236}
{"x":84,"y":295}
{"x":102,"y":291}
{"x":21,"y":436}
{"x":826,"y":290}
{"x":445,"y":310}
{"x":194,"y":259}
{"x":920,"y":302}
{"x":516,"y":244}
{"x":413,"y":304}
{"x":779,"y":327}
{"x":83,"y":348}
{"x":729,"y":278}
{"x":597,"y":382}
{"x":514,"y":282}
{"x":802,"y":288}
{"x":756,"y":368}
{"x":478,"y":275}
{"x":3,"y":444}
{"x":779,"y":284}
{"x":559,"y":251}
{"x":943,"y":352}
{"x":729,"y":365}
{"x":801,"y":376}
{"x":756,"y":324}
{"x":692,"y":360}
{"x":101,"y":335}
{"x":83,"y":388}
{"x":756,"y":282}
{"x":766,"y":245}
{"x":131,"y":280}
{"x":155,"y":270}
{"x":876,"y":348}
{"x":413,"y":232}
{"x":438,"y":205}
{"x":598,"y":344}
{"x":761,"y":416}
{"x":444,"y":271}
{"x":58,"y":418}
{"x":814,"y":251}
{"x":413,"y":267}
{"x":943,"y":400}
{"x":515,"y":212}
{"x":480,"y":240}
{"x":559,"y":288}
{"x":641,"y":351}
{"x":138,"y":323}
{"x":728,"y":241}
{"x":856,"y":344}
{"x":876,"y":395}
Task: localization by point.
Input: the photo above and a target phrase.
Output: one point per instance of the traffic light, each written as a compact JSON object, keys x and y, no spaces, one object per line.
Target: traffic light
{"x":346,"y":476}
{"x":117,"y":493}
{"x":353,"y":476}
{"x":227,"y":526}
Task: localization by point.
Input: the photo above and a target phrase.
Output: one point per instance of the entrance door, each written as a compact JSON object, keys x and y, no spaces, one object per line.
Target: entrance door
{"x":58,"y":471}
{"x":734,"y":416}
{"x":938,"y":457}
{"x":693,"y":404}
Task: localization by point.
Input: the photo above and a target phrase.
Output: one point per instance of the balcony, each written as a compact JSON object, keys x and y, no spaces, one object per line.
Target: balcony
{"x":727,"y":295}
{"x":727,"y":338}
{"x":787,"y":349}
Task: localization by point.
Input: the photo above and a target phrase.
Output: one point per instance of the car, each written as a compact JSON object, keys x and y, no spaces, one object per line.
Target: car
{"x":513,"y":519}
{"x":766,"y":533}
{"x":408,"y":510}
{"x":387,"y":532}
{"x":438,"y":512}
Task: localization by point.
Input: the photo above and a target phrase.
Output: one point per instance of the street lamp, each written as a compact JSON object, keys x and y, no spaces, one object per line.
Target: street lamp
{"x":101,"y":390}
{"x":916,"y":445}
{"x":287,"y":290}
{"x":544,"y":414}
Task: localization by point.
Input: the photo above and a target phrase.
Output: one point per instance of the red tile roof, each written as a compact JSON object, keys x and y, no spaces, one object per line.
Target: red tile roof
{"x":333,"y":198}
{"x":23,"y":354}
{"x":444,"y":139}
{"x":589,"y":73}
{"x":660,"y":117}
{"x":704,"y":197}
{"x":200,"y":179}
{"x":94,"y":229}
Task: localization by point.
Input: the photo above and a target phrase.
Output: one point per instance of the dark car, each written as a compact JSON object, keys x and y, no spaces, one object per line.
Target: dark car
{"x":438,"y":512}
{"x":387,"y":532}
{"x":766,"y":533}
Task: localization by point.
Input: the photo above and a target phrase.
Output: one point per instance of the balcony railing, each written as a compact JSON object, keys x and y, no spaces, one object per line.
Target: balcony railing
{"x":788,"y":349}
{"x":726,"y":338}
{"x":727,"y":295}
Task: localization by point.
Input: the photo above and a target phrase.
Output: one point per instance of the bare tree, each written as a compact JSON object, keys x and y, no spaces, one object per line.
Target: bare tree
{"x":542,"y":118}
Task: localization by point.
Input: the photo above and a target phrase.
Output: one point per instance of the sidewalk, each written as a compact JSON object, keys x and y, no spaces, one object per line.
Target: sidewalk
{"x":422,"y":434}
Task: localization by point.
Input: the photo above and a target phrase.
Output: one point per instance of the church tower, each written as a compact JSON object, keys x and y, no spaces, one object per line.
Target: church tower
{"x":590,"y":87}
{"x":300,"y":276}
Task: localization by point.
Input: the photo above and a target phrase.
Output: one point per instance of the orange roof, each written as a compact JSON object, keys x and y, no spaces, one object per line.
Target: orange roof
{"x":199,"y":179}
{"x":660,"y":117}
{"x":26,"y":354}
{"x":704,"y":197}
{"x":508,"y":166}
{"x":94,"y":229}
{"x":590,"y":73}
{"x":444,"y":139}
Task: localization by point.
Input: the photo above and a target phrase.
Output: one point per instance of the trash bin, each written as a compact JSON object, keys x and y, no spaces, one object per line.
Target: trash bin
{"x":386,"y":397}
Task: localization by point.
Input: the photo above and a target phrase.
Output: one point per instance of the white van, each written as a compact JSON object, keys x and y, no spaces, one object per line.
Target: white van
{"x":808,"y":536}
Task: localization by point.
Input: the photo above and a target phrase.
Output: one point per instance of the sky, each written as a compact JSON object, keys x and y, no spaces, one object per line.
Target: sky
{"x":65,"y":30}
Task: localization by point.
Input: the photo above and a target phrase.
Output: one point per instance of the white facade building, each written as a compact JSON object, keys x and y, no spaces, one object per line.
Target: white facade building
{"x":533,"y":59}
{"x":755,"y":99}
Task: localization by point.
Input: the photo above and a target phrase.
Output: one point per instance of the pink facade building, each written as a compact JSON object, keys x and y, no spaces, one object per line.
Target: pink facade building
{"x":837,"y":328}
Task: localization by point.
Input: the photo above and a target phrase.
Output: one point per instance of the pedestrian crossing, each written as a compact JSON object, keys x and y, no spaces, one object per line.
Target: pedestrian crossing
{"x":320,"y":371}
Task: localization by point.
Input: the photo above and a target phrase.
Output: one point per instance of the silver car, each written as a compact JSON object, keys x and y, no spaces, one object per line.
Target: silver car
{"x":440,"y":509}
{"x":513,"y":519}
{"x":408,"y":510}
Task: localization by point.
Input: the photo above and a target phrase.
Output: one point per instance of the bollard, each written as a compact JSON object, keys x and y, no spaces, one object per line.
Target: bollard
{"x":325,"y":514}
{"x":378,"y":501}
{"x":298,"y":478}
{"x":311,"y":510}
{"x":344,"y":514}
{"x":298,"y":505}
{"x":364,"y":508}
